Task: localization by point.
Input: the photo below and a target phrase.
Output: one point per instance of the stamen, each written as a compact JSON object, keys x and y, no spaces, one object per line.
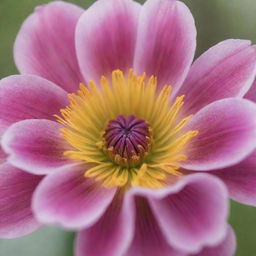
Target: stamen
{"x":125,"y":131}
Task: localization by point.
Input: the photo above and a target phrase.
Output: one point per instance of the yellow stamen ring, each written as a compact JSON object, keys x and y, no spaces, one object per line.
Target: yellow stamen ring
{"x":147,"y":146}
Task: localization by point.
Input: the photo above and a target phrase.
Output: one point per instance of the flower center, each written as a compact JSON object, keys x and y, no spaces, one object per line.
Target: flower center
{"x":127,"y":140}
{"x":125,"y":131}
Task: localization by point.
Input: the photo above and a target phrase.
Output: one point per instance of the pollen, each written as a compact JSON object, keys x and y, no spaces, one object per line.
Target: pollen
{"x":125,"y":132}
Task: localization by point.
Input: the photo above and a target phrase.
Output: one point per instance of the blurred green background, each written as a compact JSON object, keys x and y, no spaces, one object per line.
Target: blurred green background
{"x":216,"y":20}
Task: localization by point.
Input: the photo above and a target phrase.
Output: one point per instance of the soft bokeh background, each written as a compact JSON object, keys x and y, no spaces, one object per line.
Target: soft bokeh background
{"x":216,"y":20}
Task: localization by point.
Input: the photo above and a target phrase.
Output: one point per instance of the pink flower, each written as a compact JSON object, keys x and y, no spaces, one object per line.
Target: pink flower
{"x":122,"y":159}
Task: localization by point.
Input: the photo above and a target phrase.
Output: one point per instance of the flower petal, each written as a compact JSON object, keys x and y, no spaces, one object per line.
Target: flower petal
{"x":45,"y":45}
{"x":225,"y":70}
{"x":227,"y":135}
{"x":241,"y":180}
{"x":105,"y":37}
{"x":166,"y":41}
{"x":35,"y":146}
{"x":192,"y":213}
{"x":67,"y":198}
{"x":113,"y":232}
{"x":251,"y":94}
{"x":29,"y":97}
{"x":3,"y":155}
{"x":148,"y":238}
{"x":16,"y":189}
{"x":226,"y":248}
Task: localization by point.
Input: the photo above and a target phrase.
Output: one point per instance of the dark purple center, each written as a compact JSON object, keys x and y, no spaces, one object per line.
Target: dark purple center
{"x":127,"y":139}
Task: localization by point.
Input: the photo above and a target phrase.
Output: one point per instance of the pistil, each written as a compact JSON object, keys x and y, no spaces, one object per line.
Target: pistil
{"x":127,"y":140}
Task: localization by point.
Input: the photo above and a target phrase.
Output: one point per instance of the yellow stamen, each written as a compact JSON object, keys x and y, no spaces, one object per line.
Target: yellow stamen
{"x":92,"y":107}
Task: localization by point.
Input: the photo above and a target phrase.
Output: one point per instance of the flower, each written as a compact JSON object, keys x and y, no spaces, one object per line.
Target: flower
{"x":111,"y":131}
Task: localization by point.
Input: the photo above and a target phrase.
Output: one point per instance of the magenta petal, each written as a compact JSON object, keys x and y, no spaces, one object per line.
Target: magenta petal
{"x":225,"y":70}
{"x":192,"y":213}
{"x":166,"y":41}
{"x":113,"y":232}
{"x":35,"y":146}
{"x":45,"y":45}
{"x":226,"y":248}
{"x":241,"y":180}
{"x":29,"y":97}
{"x":105,"y":37}
{"x":251,"y":94}
{"x":16,"y":189}
{"x":67,"y":198}
{"x":148,"y":238}
{"x":227,"y":135}
{"x":3,"y":155}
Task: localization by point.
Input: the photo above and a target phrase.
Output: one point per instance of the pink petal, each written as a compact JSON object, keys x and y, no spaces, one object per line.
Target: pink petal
{"x":45,"y":44}
{"x":225,"y":70}
{"x":67,"y":198}
{"x":3,"y":155}
{"x":166,"y":41}
{"x":105,"y":37}
{"x":192,"y":213}
{"x":227,"y":135}
{"x":112,"y":232}
{"x":241,"y":180}
{"x":251,"y":94}
{"x":35,"y":146}
{"x":148,"y":238}
{"x":29,"y":97}
{"x":226,"y":248}
{"x":16,"y":189}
